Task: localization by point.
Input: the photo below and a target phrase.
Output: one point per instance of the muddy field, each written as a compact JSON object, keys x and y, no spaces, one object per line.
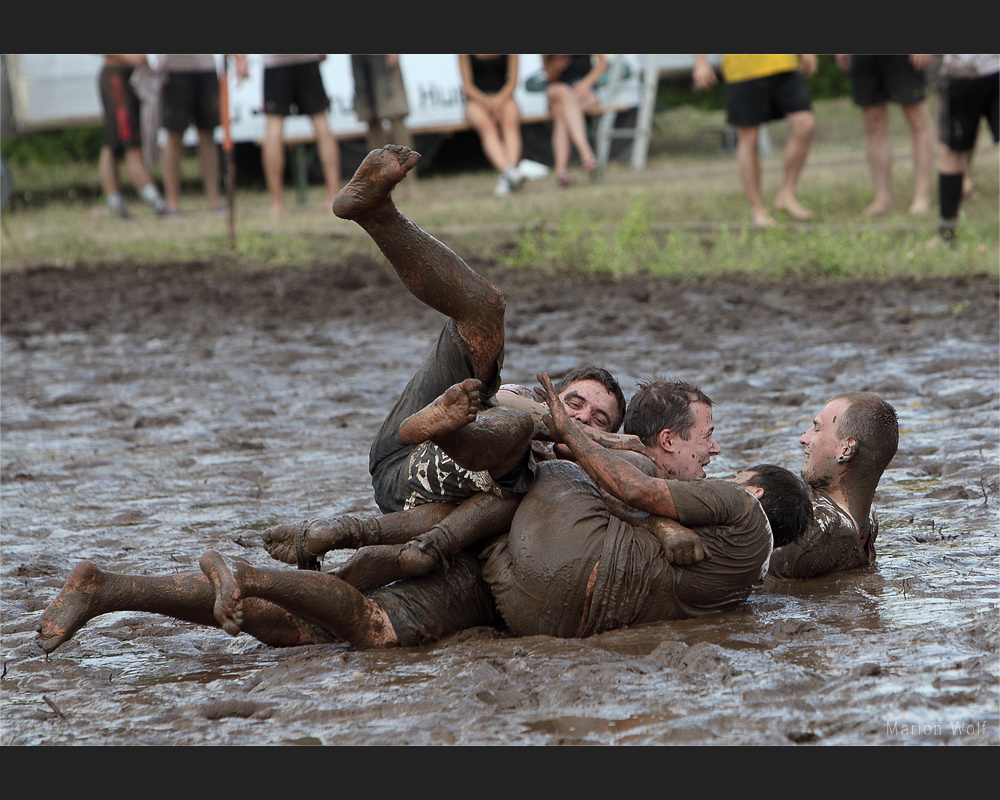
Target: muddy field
{"x":153,"y":412}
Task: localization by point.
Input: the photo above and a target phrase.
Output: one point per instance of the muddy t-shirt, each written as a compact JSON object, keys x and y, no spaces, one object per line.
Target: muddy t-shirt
{"x":830,"y":544}
{"x":539,"y":571}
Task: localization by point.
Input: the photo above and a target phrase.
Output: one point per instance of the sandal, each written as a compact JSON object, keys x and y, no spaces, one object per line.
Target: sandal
{"x":565,"y":179}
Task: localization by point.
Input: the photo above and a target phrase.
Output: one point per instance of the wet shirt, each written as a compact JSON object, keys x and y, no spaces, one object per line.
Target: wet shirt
{"x":539,"y":571}
{"x":831,"y":544}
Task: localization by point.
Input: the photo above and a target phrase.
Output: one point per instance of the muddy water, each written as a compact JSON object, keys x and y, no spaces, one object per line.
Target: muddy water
{"x":151,"y":413}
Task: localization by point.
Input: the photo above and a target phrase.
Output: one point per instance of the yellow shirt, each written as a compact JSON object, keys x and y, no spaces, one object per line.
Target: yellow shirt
{"x":748,"y":66}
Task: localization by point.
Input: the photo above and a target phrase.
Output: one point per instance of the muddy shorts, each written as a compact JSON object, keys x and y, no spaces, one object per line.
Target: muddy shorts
{"x":379,"y":92}
{"x":450,"y":362}
{"x":191,"y":98}
{"x":434,"y":477}
{"x":760,"y":100}
{"x":121,"y":109}
{"x":449,"y":600}
{"x":886,"y":77}
{"x":294,"y":89}
{"x":964,"y":102}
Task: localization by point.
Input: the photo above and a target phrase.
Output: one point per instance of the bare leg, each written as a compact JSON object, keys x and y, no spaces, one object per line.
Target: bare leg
{"x":171,"y":161}
{"x":879,"y":151}
{"x":329,"y":156}
{"x":496,"y":439}
{"x":316,"y":537}
{"x":748,"y":160}
{"x":478,"y":518}
{"x":273,"y":157}
{"x":432,"y":272}
{"x":319,"y":598}
{"x":802,"y":126}
{"x":208,"y":161}
{"x":188,"y":596}
{"x":922,"y":133}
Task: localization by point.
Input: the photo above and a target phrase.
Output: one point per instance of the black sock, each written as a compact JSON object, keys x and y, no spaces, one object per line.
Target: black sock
{"x":949,"y":196}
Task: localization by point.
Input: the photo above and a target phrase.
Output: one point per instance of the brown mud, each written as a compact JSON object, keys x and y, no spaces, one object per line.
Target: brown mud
{"x":151,"y":413}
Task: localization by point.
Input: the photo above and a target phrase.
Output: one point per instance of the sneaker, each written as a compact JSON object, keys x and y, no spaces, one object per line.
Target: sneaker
{"x":514,"y":178}
{"x":502,"y":189}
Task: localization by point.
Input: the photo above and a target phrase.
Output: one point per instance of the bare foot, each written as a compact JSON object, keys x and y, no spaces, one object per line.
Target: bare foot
{"x":79,"y":601}
{"x":457,"y":407}
{"x":762,"y":221}
{"x":791,"y":206}
{"x":878,"y":207}
{"x":228,"y":596}
{"x":919,"y":207}
{"x":290,"y":543}
{"x":374,"y":180}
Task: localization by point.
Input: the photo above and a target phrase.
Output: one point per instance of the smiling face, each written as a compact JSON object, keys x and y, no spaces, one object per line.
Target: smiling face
{"x":590,"y":403}
{"x":686,"y":459}
{"x":822,"y":446}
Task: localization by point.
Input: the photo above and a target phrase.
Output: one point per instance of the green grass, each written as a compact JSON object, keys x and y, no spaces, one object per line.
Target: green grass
{"x":684,"y":215}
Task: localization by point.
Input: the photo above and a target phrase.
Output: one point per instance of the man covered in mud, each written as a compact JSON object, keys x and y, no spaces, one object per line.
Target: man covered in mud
{"x":575,"y":564}
{"x":847,"y":448}
{"x":583,"y":570}
{"x":413,"y":458}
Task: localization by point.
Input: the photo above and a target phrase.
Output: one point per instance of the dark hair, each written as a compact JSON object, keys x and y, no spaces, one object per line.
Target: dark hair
{"x":660,"y":404}
{"x":785,"y":501}
{"x":873,"y":424}
{"x":588,"y":372}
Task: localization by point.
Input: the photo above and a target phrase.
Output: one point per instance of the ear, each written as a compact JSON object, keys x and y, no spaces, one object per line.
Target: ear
{"x":756,"y":491}
{"x":665,"y":439}
{"x":848,"y":447}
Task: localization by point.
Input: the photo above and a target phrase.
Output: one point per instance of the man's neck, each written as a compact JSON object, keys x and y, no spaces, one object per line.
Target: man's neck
{"x":855,"y":501}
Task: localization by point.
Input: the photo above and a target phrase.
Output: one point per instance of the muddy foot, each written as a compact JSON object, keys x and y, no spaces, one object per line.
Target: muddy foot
{"x":379,"y":565}
{"x":289,"y":544}
{"x":457,"y":407}
{"x":228,"y":596}
{"x":76,"y":604}
{"x":374,"y":180}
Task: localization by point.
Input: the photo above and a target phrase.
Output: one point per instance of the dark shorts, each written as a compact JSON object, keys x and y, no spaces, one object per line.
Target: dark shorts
{"x":389,"y":458}
{"x":121,"y":109}
{"x":755,"y":102}
{"x":298,"y":86}
{"x":964,"y":102}
{"x":880,"y":78}
{"x":447,"y":601}
{"x":191,"y":98}
{"x":379,"y":92}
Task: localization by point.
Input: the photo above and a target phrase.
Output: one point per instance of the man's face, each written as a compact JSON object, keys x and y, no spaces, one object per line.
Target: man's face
{"x":690,"y":456}
{"x":822,"y":445}
{"x":590,"y":403}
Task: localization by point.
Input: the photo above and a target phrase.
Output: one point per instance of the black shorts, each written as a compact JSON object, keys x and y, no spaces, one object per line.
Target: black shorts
{"x":121,"y":109}
{"x":964,"y":102}
{"x":191,"y":98}
{"x":298,"y":86}
{"x":448,"y":600}
{"x":883,"y":78}
{"x":754,"y":102}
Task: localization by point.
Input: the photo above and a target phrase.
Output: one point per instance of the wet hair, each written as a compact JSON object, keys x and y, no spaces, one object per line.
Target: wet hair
{"x":873,"y":424}
{"x":785,"y":501}
{"x":661,"y":403}
{"x":588,"y":372}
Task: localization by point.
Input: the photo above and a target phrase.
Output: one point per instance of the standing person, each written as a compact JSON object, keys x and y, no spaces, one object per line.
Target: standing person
{"x":878,"y":79}
{"x":846,"y":449}
{"x":489,"y":82}
{"x":570,"y":91}
{"x":970,"y":91}
{"x":380,"y":95}
{"x":293,"y":80}
{"x":190,"y":97}
{"x":122,"y":136}
{"x":760,"y":88}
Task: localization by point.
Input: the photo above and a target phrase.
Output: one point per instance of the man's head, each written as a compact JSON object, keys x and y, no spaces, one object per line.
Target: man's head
{"x":784,"y":498}
{"x":674,"y":420}
{"x":593,"y":397}
{"x":855,"y":434}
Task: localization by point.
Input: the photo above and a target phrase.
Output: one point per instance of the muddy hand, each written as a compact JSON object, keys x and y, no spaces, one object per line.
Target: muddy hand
{"x":557,"y":419}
